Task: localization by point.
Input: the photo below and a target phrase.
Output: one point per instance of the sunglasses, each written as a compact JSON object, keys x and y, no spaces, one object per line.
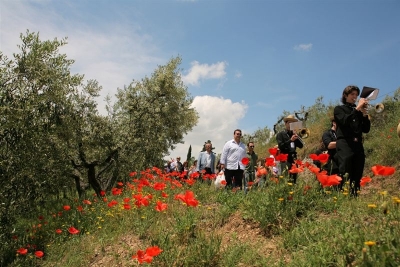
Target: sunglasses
{"x":251,"y":146}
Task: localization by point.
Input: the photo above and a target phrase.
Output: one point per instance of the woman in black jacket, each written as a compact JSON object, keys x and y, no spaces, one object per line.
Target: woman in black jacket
{"x":352,"y":121}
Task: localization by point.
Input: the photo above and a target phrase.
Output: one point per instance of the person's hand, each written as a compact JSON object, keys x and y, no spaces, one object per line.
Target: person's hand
{"x":362,"y":105}
{"x":294,"y":137}
{"x":222,"y":166}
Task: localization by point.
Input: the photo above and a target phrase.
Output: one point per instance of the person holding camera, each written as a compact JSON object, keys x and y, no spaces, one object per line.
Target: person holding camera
{"x":351,"y":122}
{"x":288,"y":141}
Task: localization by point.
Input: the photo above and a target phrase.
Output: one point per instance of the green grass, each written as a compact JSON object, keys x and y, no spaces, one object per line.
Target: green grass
{"x":278,"y":225}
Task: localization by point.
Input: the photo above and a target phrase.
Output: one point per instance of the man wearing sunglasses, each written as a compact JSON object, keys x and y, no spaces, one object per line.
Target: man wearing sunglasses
{"x":249,"y":172}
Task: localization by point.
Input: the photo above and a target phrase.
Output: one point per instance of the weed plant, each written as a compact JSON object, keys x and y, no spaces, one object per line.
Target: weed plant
{"x":314,"y":226}
{"x":279,"y":224}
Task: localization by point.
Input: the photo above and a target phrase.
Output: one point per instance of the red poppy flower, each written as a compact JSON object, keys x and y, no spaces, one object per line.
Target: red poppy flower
{"x":22,"y":251}
{"x":334,"y":180}
{"x":87,"y":202}
{"x":328,"y":180}
{"x":314,"y":169}
{"x":141,"y":200}
{"x":295,"y":169}
{"x":132,"y":174}
{"x":269,"y":162}
{"x":273,"y":151}
{"x":382,"y":170}
{"x":323,"y":158}
{"x":298,"y":162}
{"x":79,"y":208}
{"x":66,"y":207}
{"x":142,"y":256}
{"x":127,"y":207}
{"x":116,"y":191}
{"x":223,"y":182}
{"x":58,"y":231}
{"x":73,"y":231}
{"x":102,"y":193}
{"x":190,"y":181}
{"x":159,"y":186}
{"x":39,"y":254}
{"x":250,"y":183}
{"x":188,"y":198}
{"x":163,"y":194}
{"x":322,"y":178}
{"x":194,"y":175}
{"x":365,"y":180}
{"x":313,"y":156}
{"x":281,"y":157}
{"x":112,"y":203}
{"x":245,"y":160}
{"x":153,"y":251}
{"x":161,"y":206}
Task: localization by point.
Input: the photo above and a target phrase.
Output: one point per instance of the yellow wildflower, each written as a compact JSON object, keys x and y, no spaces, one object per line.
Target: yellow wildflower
{"x":370,"y":243}
{"x":372,"y":206}
{"x":281,"y":199}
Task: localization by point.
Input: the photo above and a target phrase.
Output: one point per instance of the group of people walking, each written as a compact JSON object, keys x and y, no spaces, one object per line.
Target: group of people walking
{"x":342,"y":142}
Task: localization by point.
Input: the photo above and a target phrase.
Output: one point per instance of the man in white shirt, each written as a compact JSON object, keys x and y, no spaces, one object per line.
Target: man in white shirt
{"x":231,"y":160}
{"x":206,"y":160}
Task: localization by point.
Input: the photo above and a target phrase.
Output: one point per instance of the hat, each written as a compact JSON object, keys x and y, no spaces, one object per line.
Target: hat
{"x":290,"y":118}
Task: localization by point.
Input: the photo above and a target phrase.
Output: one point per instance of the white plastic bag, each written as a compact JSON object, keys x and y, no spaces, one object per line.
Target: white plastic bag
{"x":220,"y":177}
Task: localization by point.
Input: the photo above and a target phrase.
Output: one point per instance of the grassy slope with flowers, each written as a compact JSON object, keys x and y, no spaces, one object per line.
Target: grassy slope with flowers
{"x":161,"y":220}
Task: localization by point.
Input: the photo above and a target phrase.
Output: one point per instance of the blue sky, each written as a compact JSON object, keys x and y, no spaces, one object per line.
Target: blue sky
{"x":244,"y":62}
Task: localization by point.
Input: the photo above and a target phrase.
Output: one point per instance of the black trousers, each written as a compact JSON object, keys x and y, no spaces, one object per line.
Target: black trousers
{"x":288,"y":165}
{"x":233,"y":178}
{"x":351,"y":160}
{"x":208,"y":170}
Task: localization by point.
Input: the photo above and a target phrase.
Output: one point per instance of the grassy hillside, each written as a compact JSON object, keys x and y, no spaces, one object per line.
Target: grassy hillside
{"x":280,"y":224}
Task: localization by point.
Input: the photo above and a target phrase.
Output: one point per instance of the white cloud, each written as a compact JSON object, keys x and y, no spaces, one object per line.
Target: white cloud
{"x":238,"y":74}
{"x":199,"y":72}
{"x":219,"y":117}
{"x":303,"y":47}
{"x":113,"y":54}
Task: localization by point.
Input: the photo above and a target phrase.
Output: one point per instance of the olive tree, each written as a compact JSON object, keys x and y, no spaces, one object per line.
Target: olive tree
{"x":152,"y":116}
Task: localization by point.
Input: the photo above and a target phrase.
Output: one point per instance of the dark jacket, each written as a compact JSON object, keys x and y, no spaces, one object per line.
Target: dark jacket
{"x":350,"y":123}
{"x":283,"y":139}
